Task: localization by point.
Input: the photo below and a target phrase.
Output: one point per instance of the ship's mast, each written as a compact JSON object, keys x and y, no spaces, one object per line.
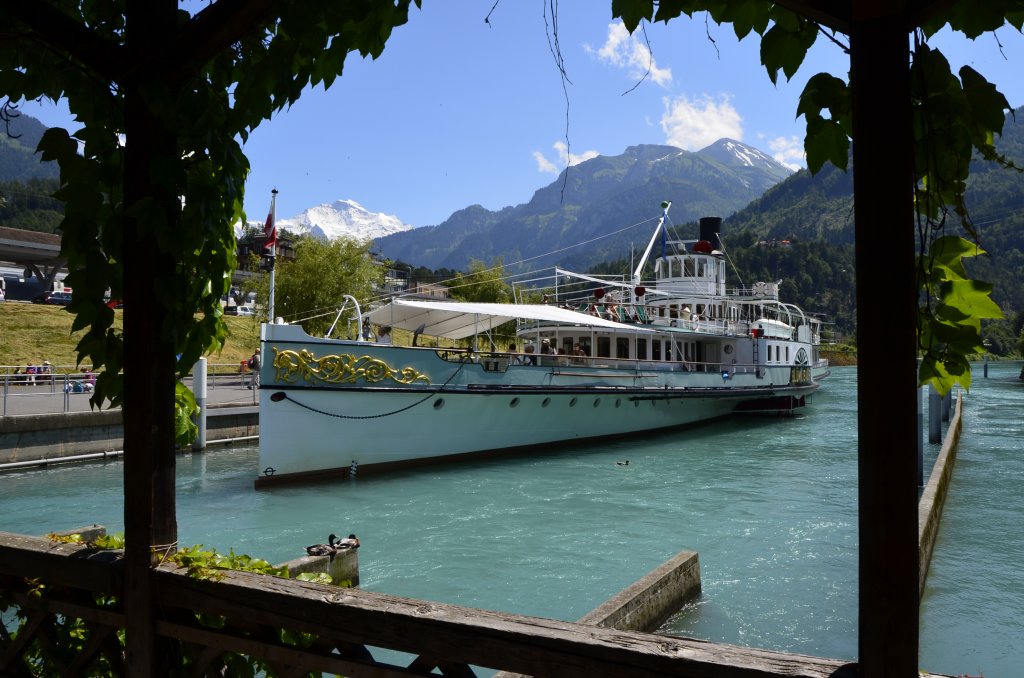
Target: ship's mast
{"x":647,"y":253}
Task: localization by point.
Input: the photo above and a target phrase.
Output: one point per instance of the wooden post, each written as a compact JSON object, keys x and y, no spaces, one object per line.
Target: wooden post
{"x":152,"y":204}
{"x":886,"y":378}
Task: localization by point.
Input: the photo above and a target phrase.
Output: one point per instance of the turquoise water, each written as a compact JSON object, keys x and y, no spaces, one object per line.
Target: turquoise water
{"x":770,"y":505}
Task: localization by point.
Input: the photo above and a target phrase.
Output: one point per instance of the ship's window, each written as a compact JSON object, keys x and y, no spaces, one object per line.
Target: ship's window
{"x":621,"y":347}
{"x":572,"y":403}
{"x":514,"y":403}
{"x":545,"y":402}
{"x":641,"y":349}
{"x":673,"y":311}
{"x":688,"y":267}
{"x":439,"y":403}
{"x":787,"y":354}
{"x":597,"y":401}
{"x":656,"y":349}
{"x":604,"y":347}
{"x":618,"y":402}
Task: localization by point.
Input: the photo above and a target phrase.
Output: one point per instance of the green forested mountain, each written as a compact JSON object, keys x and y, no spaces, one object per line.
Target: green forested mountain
{"x":29,"y":206}
{"x":18,"y":159}
{"x":817,"y":214}
{"x":593,"y":203}
{"x":26,"y":183}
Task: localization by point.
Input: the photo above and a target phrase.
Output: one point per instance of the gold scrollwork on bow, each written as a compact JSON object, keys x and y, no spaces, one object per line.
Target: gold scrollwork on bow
{"x":294,"y":366}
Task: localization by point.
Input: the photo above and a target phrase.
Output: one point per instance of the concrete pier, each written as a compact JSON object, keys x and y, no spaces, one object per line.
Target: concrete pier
{"x":647,"y":603}
{"x":41,"y":439}
{"x":933,"y":498}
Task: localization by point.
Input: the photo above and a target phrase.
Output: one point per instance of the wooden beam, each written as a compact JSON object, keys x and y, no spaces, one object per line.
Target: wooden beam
{"x":528,"y":645}
{"x":883,"y":182}
{"x":151,"y":208}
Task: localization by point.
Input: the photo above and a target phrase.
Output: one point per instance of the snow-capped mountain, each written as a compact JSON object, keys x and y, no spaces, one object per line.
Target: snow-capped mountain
{"x":738,"y":154}
{"x":343,"y":218}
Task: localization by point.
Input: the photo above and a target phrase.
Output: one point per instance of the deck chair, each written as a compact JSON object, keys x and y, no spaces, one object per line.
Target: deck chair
{"x":641,"y":314}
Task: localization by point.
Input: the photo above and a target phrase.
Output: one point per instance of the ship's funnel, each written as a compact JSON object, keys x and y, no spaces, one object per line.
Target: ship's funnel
{"x":710,"y":228}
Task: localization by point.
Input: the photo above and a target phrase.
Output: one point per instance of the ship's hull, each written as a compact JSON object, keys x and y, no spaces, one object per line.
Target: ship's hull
{"x":333,"y":409}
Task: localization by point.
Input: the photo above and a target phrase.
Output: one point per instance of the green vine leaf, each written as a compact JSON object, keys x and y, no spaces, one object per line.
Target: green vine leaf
{"x":786,"y":43}
{"x":185,"y":410}
{"x":950,"y":331}
{"x":632,"y":12}
{"x":828,"y":139}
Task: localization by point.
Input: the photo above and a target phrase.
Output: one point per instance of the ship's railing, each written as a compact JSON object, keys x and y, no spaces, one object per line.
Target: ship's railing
{"x":500,"y":362}
{"x":217,"y":623}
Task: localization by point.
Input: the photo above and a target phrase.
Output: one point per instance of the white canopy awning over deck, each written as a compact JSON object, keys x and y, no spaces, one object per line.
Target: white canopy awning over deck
{"x":459,"y":319}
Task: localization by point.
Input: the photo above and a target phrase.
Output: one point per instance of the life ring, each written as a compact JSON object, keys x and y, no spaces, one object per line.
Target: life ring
{"x":760,"y":289}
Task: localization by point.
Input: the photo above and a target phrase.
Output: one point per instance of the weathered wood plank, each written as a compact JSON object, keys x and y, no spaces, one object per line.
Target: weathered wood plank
{"x":76,"y":565}
{"x":277,"y":654}
{"x":529,"y":645}
{"x":352,"y":620}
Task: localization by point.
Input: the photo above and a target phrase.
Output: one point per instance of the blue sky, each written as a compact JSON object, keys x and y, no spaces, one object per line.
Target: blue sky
{"x":456,"y":112}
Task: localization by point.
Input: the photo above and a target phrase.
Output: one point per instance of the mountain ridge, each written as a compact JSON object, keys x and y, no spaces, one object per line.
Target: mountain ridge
{"x":594,"y":200}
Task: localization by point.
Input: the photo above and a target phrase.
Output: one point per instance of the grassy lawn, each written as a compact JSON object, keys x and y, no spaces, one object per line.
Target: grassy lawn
{"x":32,"y":333}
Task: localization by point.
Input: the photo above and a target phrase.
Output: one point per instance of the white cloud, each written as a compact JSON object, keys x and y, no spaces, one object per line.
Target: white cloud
{"x":564,"y":158}
{"x":789,"y":151}
{"x":692,"y":125}
{"x":543,"y":164}
{"x":626,"y":51}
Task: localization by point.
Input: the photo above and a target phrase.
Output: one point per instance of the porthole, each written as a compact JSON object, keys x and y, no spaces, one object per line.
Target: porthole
{"x":572,"y":403}
{"x":545,"y":402}
{"x":618,"y":402}
{"x":636,"y":403}
{"x":439,"y":403}
{"x":597,"y":401}
{"x":514,"y":403}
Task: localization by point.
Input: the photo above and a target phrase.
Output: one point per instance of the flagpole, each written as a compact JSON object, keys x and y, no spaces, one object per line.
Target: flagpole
{"x":273,"y":255}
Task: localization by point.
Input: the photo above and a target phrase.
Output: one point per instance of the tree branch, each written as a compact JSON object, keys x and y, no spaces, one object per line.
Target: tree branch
{"x":218,"y":26}
{"x":64,"y":35}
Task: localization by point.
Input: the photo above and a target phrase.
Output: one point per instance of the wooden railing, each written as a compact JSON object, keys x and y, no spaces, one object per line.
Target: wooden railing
{"x":244,"y":613}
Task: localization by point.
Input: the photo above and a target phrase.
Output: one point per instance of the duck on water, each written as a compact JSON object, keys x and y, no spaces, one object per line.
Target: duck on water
{"x":624,"y":355}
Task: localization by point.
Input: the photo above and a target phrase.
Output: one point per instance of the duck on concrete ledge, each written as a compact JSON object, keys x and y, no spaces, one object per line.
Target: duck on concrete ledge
{"x":350,"y":542}
{"x":328,"y":549}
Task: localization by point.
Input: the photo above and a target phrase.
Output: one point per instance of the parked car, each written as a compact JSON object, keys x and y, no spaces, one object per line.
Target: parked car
{"x":245,"y":310}
{"x":53,"y":298}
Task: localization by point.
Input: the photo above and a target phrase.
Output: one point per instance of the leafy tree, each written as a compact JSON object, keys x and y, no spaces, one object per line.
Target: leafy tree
{"x":482,"y":283}
{"x":152,"y":182}
{"x":310,"y":288}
